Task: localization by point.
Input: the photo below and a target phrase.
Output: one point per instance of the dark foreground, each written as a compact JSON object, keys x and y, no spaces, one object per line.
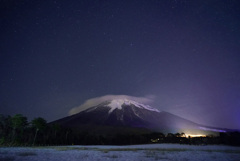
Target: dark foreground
{"x":150,"y":152}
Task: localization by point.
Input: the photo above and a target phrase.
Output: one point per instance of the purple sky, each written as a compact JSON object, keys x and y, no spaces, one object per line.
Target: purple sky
{"x":55,"y":55}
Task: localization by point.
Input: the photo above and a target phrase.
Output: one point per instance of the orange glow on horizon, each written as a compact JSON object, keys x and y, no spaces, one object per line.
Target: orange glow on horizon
{"x":197,"y":135}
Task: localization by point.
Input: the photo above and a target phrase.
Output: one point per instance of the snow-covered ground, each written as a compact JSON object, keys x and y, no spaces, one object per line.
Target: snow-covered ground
{"x":152,"y":152}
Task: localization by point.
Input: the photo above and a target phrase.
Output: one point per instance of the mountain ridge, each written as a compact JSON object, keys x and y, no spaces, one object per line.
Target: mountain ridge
{"x":130,"y":114}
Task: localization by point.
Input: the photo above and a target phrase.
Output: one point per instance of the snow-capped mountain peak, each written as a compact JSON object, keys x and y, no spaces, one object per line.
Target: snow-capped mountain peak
{"x":118,"y":103}
{"x":130,"y":114}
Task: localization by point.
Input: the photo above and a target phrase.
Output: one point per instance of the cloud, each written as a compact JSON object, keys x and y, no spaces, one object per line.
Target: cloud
{"x":95,"y":101}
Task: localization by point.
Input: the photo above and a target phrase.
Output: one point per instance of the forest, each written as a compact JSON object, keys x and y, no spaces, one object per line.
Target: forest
{"x":18,"y":131}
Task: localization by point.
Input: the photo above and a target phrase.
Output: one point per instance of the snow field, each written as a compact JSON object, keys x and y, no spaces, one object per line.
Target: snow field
{"x":152,"y":152}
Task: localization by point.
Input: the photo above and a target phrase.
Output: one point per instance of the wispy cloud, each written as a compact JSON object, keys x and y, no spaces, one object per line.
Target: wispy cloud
{"x":95,"y":101}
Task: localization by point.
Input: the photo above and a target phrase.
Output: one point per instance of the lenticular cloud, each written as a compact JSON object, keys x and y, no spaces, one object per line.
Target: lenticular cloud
{"x":95,"y":101}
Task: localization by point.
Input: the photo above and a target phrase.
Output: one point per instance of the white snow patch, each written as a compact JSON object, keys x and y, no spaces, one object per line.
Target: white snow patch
{"x":91,"y":109}
{"x":117,"y":104}
{"x":150,"y":152}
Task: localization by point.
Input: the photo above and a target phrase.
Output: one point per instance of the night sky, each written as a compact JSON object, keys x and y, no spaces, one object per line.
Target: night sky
{"x":184,"y":55}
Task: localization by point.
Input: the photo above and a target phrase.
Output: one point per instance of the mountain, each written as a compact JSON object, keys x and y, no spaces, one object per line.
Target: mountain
{"x":122,"y":115}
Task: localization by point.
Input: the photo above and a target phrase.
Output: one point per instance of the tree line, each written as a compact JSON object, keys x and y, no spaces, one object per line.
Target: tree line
{"x":17,"y":131}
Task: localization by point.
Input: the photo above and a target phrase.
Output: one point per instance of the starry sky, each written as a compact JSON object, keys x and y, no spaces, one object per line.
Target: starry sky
{"x":182,"y":54}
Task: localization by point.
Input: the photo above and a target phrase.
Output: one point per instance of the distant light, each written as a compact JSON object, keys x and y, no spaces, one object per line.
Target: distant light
{"x":154,"y":140}
{"x":193,"y":135}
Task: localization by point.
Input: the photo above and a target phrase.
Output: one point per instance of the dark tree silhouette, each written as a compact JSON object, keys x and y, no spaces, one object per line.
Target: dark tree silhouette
{"x":18,"y":122}
{"x":39,"y":124}
{"x":5,"y":128}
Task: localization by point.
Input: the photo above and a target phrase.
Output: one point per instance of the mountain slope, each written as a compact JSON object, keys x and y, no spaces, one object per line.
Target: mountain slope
{"x":122,"y":113}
